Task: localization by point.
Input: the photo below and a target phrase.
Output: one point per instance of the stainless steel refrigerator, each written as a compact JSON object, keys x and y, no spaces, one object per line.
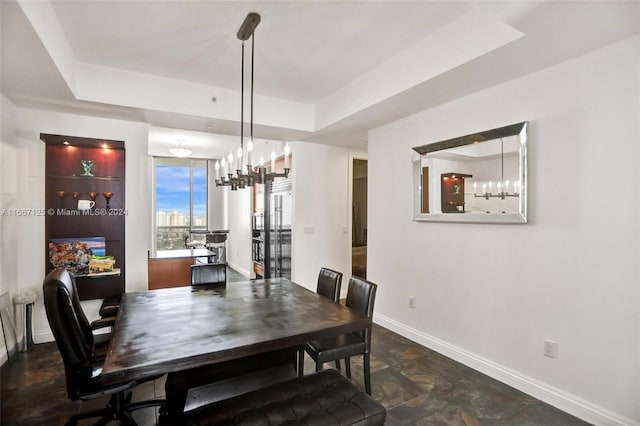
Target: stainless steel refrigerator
{"x":271,"y":236}
{"x":280,"y":235}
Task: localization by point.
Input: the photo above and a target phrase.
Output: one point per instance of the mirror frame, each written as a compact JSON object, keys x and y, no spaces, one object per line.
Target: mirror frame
{"x":419,"y":152}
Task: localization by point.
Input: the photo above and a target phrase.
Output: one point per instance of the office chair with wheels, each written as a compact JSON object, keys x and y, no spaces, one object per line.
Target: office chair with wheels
{"x":100,"y":341}
{"x":82,"y":366}
{"x":109,"y":306}
{"x":361,"y":298}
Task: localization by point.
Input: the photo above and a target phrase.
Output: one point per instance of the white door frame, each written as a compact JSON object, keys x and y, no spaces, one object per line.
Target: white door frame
{"x":358,"y":155}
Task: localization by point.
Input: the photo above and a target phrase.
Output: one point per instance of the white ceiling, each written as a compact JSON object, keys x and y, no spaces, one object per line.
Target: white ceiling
{"x":325,"y":71}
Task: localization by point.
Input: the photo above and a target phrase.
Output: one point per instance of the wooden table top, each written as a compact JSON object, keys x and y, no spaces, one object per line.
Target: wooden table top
{"x":168,"y":330}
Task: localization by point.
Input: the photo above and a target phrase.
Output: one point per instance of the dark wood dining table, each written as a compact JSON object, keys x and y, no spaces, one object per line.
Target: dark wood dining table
{"x":175,"y":329}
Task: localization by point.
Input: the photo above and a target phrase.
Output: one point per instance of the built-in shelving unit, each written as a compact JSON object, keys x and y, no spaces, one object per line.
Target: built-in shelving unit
{"x":452,"y":192}
{"x":66,"y":183}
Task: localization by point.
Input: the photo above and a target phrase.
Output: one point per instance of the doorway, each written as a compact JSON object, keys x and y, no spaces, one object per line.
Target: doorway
{"x":359,"y":219}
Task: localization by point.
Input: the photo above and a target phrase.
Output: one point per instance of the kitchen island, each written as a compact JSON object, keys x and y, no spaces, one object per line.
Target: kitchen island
{"x":172,"y":268}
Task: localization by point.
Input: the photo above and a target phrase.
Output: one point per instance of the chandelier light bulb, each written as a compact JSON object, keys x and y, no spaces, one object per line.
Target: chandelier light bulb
{"x":249,"y":151}
{"x":261,"y":160}
{"x":287,"y":151}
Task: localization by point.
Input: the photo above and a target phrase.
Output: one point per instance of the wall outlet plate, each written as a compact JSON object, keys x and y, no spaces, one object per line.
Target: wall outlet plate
{"x":550,"y":349}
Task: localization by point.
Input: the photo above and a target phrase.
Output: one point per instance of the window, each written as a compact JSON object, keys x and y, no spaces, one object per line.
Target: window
{"x":180,"y":201}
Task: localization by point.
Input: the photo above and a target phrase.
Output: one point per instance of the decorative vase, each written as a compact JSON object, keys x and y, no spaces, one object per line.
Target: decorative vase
{"x":107,"y":196}
{"x":87,"y":167}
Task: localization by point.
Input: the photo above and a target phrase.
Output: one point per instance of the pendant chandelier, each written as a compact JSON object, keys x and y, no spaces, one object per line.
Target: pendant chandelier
{"x":246,"y":174}
{"x":503,"y":185}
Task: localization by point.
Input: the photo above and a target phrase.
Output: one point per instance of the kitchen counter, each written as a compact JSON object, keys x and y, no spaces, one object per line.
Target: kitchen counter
{"x":180,"y":254}
{"x":172,"y":268}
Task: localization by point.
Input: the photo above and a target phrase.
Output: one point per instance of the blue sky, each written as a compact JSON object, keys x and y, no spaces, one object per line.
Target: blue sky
{"x":172,"y":189}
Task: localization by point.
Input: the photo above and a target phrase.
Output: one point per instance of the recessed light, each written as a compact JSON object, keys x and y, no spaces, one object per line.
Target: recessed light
{"x":214,"y":99}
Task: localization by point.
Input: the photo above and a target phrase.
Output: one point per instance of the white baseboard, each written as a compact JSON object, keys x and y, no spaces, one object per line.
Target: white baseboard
{"x":564,"y":401}
{"x":238,"y":268}
{"x":43,"y":336}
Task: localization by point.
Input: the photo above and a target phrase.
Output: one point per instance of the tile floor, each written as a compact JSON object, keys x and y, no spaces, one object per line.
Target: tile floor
{"x":417,"y":386}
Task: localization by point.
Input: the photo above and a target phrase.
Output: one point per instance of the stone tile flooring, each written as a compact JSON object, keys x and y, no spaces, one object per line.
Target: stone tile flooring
{"x":417,"y":386}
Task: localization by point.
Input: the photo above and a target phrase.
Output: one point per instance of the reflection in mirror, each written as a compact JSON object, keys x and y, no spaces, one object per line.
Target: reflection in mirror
{"x":480,"y":177}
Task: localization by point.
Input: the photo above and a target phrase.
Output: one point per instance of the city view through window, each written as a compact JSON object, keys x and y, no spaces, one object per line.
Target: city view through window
{"x":181,"y":201}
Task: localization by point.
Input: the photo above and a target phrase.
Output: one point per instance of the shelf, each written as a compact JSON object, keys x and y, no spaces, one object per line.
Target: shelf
{"x":66,"y":174}
{"x":114,"y":273}
{"x":112,"y":178}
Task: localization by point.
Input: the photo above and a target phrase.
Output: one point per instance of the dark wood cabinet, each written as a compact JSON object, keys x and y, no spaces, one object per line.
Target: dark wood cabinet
{"x":68,"y":181}
{"x":452,"y":192}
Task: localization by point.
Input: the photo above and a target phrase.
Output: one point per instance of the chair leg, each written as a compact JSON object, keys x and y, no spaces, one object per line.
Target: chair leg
{"x":367,"y":373}
{"x":318,"y":366}
{"x":117,"y":409}
{"x":347,"y":367}
{"x":106,"y":414}
{"x":338,"y":364}
{"x":125,"y":418}
{"x":300,"y":362}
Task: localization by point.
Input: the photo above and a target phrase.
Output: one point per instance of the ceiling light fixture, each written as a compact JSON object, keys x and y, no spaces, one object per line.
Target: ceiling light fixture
{"x":244,"y":160}
{"x":179,"y":150}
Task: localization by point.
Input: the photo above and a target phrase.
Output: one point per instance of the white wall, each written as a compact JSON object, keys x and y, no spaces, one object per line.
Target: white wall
{"x":8,"y":200}
{"x":30,"y":171}
{"x":321,"y":233}
{"x":239,"y":223}
{"x":489,"y":295}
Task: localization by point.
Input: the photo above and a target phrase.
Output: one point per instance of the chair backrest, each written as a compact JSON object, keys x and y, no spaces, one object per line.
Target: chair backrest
{"x":208,"y":274}
{"x":329,"y":283}
{"x":361,"y":296}
{"x":67,"y":322}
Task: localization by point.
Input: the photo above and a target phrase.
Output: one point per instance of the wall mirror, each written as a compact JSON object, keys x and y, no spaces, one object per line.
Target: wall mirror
{"x":477,"y":178}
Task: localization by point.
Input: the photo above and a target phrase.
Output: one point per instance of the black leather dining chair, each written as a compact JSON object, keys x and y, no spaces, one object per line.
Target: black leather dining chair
{"x":329,"y":284}
{"x":209,"y":274}
{"x":361,"y":297}
{"x":82,"y":366}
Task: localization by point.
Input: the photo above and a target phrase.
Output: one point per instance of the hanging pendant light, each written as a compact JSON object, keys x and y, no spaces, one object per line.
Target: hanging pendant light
{"x":244,"y":157}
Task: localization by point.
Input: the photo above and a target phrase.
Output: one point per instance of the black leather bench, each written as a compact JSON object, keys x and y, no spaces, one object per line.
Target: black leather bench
{"x":325,"y":398}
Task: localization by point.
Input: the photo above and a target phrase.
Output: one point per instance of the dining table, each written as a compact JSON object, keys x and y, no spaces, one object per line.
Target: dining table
{"x":175,"y":329}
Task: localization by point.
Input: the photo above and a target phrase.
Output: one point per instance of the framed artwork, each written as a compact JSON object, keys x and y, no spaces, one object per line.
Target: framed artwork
{"x":74,"y":254}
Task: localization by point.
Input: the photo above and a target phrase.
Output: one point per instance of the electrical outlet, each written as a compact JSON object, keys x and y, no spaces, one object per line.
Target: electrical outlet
{"x":550,"y":349}
{"x":412,"y":302}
